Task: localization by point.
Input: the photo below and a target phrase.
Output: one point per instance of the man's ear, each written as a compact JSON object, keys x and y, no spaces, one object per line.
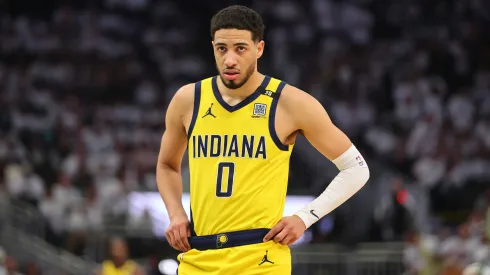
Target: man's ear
{"x":260,"y":48}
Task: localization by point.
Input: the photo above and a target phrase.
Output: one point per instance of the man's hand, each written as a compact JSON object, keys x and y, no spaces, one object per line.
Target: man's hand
{"x":178,"y":232}
{"x":287,"y":230}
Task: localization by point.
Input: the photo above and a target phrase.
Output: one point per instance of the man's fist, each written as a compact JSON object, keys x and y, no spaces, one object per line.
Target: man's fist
{"x":287,"y":230}
{"x":178,"y":232}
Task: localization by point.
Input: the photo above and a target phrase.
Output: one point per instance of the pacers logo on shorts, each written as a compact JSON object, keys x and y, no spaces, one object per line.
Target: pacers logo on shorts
{"x":221,"y":240}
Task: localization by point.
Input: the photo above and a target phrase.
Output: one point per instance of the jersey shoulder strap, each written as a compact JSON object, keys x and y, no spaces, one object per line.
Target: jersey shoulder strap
{"x":274,"y":88}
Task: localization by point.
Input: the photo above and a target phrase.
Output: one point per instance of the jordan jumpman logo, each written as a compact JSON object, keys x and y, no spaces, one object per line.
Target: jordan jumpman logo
{"x":265,"y":260}
{"x":209,"y":112}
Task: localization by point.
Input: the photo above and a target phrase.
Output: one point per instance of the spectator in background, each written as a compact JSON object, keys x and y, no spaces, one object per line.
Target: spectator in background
{"x":452,"y":267}
{"x":9,"y":267}
{"x":55,"y":214}
{"x":413,"y":255}
{"x":394,"y":212}
{"x":14,"y":178}
{"x":33,"y":187}
{"x":477,"y":269}
{"x":85,"y":219}
{"x":119,"y":262}
{"x":32,"y":269}
{"x":2,"y":256}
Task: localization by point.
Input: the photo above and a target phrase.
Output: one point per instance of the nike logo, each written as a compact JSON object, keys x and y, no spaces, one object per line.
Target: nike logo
{"x":313,"y":213}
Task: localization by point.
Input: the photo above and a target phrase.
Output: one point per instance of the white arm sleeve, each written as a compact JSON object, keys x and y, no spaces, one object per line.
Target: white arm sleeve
{"x":354,"y":173}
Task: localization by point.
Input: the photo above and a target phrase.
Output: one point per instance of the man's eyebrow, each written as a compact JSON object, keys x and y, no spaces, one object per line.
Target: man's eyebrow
{"x":235,"y":44}
{"x":241,"y":44}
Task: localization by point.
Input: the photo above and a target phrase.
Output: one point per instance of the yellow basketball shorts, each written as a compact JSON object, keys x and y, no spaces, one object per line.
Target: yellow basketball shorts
{"x":235,"y":254}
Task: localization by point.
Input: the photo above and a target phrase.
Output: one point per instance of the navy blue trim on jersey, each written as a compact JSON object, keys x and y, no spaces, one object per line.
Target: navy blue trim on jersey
{"x":244,"y":102}
{"x":272,"y":119}
{"x":191,"y":225}
{"x":231,"y":239}
{"x":195,"y":110}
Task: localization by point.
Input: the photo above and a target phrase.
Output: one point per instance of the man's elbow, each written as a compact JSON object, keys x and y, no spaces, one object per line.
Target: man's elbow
{"x":359,"y":175}
{"x":166,"y":166}
{"x":361,"y":167}
{"x":365,"y":175}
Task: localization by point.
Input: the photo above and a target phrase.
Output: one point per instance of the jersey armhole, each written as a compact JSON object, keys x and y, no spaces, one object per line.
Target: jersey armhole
{"x":272,"y":118}
{"x":195,"y":109}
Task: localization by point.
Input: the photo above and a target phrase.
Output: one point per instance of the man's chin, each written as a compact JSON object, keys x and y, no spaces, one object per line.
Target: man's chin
{"x":231,"y":84}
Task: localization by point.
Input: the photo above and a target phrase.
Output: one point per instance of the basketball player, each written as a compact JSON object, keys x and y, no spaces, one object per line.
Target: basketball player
{"x":239,"y":128}
{"x":119,"y":264}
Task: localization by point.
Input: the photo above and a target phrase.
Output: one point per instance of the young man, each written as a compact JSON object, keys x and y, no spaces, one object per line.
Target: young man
{"x":240,"y":128}
{"x":119,"y":264}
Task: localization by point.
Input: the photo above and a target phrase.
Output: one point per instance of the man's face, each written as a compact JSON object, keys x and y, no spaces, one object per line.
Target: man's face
{"x":119,"y":250}
{"x":236,"y":56}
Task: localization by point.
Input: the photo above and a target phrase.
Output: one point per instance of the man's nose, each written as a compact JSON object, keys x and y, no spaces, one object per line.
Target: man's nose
{"x":230,"y":60}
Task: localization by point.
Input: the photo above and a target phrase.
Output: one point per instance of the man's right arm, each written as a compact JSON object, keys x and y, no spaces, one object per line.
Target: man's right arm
{"x":169,"y":179}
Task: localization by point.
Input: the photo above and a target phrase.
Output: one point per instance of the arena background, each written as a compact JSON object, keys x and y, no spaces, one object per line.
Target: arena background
{"x":84,"y":86}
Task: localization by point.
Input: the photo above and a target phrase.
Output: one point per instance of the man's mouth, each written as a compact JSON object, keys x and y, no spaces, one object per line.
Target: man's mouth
{"x":231,"y":75}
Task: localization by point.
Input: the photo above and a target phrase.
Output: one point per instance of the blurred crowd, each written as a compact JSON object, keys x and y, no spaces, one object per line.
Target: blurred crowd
{"x":452,"y":250}
{"x":9,"y":266}
{"x":84,"y":87}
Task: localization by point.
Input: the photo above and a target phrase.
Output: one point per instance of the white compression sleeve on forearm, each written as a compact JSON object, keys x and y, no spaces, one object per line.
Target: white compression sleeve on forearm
{"x":354,"y":173}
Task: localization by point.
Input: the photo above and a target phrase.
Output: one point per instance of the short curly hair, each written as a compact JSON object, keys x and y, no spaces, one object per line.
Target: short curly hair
{"x":241,"y":18}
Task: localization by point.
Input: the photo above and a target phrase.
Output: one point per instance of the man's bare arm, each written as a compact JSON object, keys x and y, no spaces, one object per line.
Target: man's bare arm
{"x":169,"y":178}
{"x":309,"y":117}
{"x":312,"y":120}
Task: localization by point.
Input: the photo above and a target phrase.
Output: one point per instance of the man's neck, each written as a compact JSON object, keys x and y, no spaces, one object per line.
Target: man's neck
{"x":118,"y":262}
{"x":247,"y":89}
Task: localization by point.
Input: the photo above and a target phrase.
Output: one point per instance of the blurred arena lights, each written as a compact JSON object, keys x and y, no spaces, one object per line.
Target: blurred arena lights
{"x":402,"y":196}
{"x":168,"y":267}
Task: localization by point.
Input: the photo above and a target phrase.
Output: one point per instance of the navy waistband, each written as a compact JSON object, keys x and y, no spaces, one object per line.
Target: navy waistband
{"x":230,"y":239}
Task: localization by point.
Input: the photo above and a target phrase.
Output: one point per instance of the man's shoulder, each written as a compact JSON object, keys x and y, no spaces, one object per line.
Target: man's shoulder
{"x":186,"y":93}
{"x":294,"y":98}
{"x":298,"y":106}
{"x":184,"y":96}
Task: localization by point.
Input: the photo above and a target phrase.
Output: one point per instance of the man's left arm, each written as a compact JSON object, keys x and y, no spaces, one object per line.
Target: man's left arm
{"x":311,"y":119}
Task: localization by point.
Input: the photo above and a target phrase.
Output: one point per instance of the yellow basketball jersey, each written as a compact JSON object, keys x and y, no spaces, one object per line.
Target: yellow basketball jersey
{"x":128,"y":268}
{"x":238,"y":166}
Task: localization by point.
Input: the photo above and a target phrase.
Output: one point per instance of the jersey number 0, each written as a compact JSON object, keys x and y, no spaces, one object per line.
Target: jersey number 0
{"x":229,"y":167}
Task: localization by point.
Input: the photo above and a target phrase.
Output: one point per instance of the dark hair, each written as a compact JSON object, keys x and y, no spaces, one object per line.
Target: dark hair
{"x":241,"y":18}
